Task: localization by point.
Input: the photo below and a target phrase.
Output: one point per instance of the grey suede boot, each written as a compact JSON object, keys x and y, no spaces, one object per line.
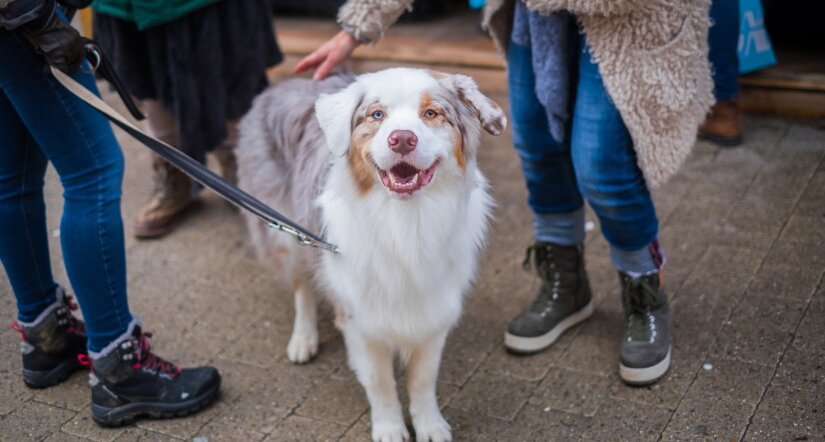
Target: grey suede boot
{"x":563,"y":300}
{"x":644,"y":356}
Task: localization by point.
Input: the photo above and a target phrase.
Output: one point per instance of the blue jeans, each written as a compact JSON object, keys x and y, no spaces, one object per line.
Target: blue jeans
{"x":40,"y":121}
{"x":723,"y":39}
{"x":597,"y":163}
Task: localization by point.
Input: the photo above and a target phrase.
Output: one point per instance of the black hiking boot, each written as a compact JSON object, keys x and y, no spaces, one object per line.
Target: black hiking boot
{"x":563,"y":300}
{"x":130,"y":381}
{"x":644,"y":356}
{"x":52,"y":343}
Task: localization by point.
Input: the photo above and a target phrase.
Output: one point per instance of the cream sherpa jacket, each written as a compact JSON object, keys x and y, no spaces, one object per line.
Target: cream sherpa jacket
{"x":652,"y":54}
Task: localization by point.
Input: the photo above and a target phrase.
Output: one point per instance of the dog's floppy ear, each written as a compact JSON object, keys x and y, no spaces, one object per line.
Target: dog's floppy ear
{"x":487,"y":111}
{"x":334,"y":113}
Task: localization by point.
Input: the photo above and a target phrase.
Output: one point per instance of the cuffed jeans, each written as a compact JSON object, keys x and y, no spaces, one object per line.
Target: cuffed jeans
{"x":596,"y":163}
{"x":41,"y":122}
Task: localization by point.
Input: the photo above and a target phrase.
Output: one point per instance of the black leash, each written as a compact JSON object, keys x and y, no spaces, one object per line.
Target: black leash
{"x":185,"y":163}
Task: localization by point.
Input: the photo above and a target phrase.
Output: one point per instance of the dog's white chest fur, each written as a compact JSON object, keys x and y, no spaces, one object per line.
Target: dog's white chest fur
{"x":404,"y":265}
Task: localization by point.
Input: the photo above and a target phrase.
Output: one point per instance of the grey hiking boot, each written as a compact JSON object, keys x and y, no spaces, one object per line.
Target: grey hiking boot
{"x":644,"y":356}
{"x":563,"y":300}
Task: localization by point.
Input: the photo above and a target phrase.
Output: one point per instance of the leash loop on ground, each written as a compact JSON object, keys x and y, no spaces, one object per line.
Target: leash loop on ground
{"x":189,"y":166}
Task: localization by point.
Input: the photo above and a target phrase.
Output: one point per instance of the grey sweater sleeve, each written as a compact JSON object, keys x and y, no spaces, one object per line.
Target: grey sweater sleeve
{"x":367,"y":20}
{"x":15,"y":13}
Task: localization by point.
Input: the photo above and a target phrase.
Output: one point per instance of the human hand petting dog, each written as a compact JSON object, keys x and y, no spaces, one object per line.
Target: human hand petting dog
{"x":329,"y":55}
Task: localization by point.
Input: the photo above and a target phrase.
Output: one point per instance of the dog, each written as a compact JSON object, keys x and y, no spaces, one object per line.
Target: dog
{"x":384,"y":164}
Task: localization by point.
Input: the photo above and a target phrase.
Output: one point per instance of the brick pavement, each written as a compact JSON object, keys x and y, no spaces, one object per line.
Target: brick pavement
{"x":744,"y":230}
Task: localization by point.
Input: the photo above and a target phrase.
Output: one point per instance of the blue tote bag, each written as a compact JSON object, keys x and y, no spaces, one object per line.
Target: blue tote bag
{"x":755,"y":51}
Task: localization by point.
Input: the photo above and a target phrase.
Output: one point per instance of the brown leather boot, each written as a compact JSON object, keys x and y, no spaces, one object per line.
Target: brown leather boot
{"x":170,"y":199}
{"x":722,"y":125}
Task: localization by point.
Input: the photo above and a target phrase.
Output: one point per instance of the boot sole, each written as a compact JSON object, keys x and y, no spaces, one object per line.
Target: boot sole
{"x":47,"y":378}
{"x":524,"y":345}
{"x":646,"y":375}
{"x":126,"y":414}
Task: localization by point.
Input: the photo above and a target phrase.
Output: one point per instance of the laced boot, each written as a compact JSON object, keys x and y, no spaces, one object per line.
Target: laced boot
{"x":644,"y":356}
{"x":129,"y":381}
{"x":562,"y":301}
{"x":172,"y":195}
{"x":52,"y":343}
{"x":722,"y":126}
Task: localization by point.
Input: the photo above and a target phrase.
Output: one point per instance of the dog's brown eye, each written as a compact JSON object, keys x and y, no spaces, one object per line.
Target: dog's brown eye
{"x":429,"y":113}
{"x":377,"y":115}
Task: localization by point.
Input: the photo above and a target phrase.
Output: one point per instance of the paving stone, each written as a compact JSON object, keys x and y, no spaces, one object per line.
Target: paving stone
{"x":719,"y":402}
{"x":335,"y":401}
{"x":255,"y":411}
{"x":185,"y":427}
{"x":473,"y":426}
{"x":74,"y":394}
{"x":262,"y":345}
{"x":133,"y":434}
{"x":33,"y":421}
{"x":572,"y":392}
{"x":789,"y":414}
{"x":731,"y":260}
{"x":627,"y":421}
{"x":13,"y":392}
{"x":222,"y":431}
{"x":803,"y":363}
{"x":467,"y":347}
{"x":539,"y":424}
{"x":297,"y":428}
{"x":82,"y":425}
{"x":526,"y":367}
{"x":759,"y":329}
{"x":593,"y":354}
{"x":745,"y":233}
{"x":785,"y":281}
{"x":810,"y":203}
{"x":494,"y":395}
{"x":65,"y":437}
{"x":361,"y":430}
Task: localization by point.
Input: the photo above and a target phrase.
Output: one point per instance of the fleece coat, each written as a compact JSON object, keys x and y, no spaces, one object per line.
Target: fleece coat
{"x":652,"y":55}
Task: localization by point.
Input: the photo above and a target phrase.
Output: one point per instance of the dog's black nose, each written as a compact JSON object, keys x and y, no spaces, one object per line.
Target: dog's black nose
{"x":402,"y":141}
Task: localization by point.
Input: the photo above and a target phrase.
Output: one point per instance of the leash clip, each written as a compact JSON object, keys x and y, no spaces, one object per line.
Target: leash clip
{"x":303,"y":239}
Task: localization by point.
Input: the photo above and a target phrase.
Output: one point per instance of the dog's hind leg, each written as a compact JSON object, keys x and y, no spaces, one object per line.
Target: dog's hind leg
{"x":428,"y":422}
{"x":303,"y":345}
{"x":372,"y":362}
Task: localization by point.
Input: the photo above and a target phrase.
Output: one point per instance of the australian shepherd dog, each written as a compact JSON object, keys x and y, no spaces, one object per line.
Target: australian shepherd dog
{"x":384,"y":164}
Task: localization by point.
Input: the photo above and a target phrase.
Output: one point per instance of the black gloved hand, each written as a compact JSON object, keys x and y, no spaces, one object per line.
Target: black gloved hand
{"x":58,"y":41}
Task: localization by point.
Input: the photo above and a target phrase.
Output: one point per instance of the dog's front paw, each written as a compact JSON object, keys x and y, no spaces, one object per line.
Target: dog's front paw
{"x":432,"y":429}
{"x":302,"y":347}
{"x":390,"y":431}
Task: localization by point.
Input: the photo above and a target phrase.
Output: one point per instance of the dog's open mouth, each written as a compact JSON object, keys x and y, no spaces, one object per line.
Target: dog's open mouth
{"x":405,"y":178}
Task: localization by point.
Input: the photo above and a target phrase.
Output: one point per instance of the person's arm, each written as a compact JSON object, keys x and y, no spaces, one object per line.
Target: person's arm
{"x":38,"y":20}
{"x":362,"y":21}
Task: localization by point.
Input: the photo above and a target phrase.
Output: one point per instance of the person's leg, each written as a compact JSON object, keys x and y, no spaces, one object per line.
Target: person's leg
{"x":722,"y":125}
{"x":173,"y":192}
{"x":546,"y":164}
{"x":82,"y":147}
{"x":564,"y":297}
{"x":608,"y":173}
{"x":723,"y":39}
{"x":24,"y":245}
{"x":613,"y":184}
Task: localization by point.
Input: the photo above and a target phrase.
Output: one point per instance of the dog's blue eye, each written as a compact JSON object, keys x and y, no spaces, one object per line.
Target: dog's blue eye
{"x":377,"y":115}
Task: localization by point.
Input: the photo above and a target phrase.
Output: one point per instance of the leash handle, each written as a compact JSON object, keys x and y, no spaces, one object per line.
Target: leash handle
{"x":100,"y":63}
{"x":196,"y":170}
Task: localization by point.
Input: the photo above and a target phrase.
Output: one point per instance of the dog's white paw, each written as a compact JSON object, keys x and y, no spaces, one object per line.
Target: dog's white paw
{"x":302,"y":347}
{"x":390,"y":431}
{"x":432,"y":429}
